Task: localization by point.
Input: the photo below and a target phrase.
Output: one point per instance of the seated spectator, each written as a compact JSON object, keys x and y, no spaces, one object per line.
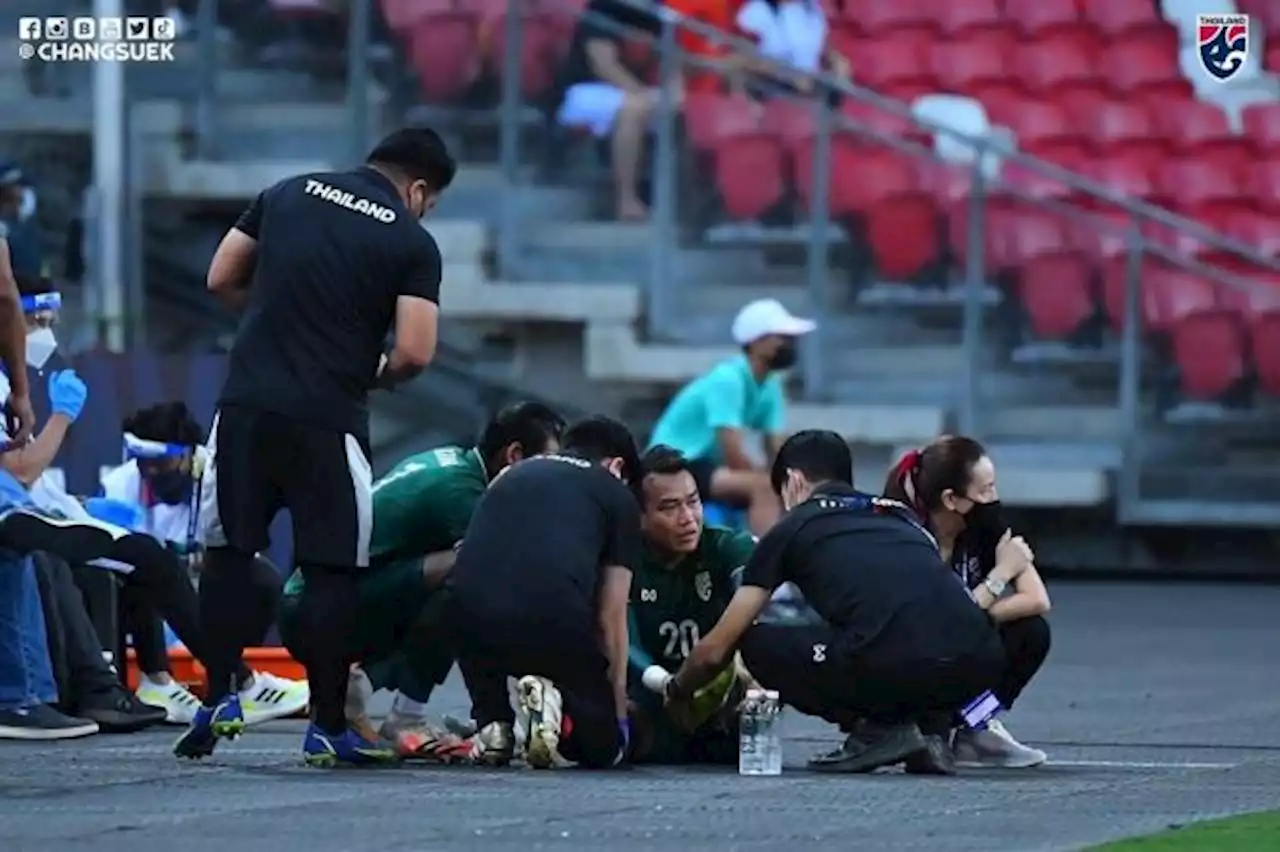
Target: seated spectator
{"x":162,"y":476}
{"x":605,"y":97}
{"x":88,"y":686}
{"x":708,"y":418}
{"x":28,"y":691}
{"x":792,"y":35}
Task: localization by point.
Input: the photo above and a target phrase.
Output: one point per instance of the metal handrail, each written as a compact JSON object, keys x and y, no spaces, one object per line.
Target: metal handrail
{"x":1140,"y":210}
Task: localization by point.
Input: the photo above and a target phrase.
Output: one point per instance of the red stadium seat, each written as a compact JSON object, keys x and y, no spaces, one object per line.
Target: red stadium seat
{"x":1040,"y":17}
{"x":1019,"y":191}
{"x":1255,"y":302}
{"x":1123,"y":129}
{"x":1127,"y":177}
{"x":443,"y":49}
{"x":748,"y":173}
{"x":896,"y":65}
{"x":1262,"y":124}
{"x":1264,"y":13}
{"x":542,"y":48}
{"x":1259,"y":309}
{"x":1200,"y":189}
{"x":962,"y":19}
{"x":710,"y":118}
{"x":901,"y":221}
{"x":1202,"y":131}
{"x":401,"y":15}
{"x":1272,"y":61}
{"x":978,"y":65}
{"x":1055,"y":69}
{"x":1168,"y":295}
{"x":1263,"y":178}
{"x":900,"y":16}
{"x":1053,"y":277}
{"x":1151,"y":73}
{"x":1045,"y":131}
{"x":870,"y":125}
{"x":1257,"y":230}
{"x":1125,"y":20}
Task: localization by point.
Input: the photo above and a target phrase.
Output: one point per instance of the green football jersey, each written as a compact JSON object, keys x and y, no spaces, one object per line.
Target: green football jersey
{"x":673,"y":606}
{"x":425,"y":503}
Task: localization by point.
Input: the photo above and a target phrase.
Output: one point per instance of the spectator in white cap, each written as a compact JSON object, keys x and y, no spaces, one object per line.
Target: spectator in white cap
{"x":709,"y":417}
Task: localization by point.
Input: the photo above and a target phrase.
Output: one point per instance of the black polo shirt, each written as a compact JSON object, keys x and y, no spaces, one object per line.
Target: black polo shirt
{"x":538,"y":541}
{"x":335,"y":252}
{"x":608,"y":20}
{"x":872,"y":572}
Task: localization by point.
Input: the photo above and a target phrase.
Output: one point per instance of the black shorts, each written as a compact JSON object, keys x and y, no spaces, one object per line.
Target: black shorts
{"x":262,"y":462}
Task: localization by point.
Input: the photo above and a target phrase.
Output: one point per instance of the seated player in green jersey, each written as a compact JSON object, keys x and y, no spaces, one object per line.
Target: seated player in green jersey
{"x":421,"y":510}
{"x":680,"y":588}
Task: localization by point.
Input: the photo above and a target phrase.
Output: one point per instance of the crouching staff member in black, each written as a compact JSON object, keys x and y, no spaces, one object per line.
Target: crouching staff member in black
{"x":324,"y":265}
{"x":540,"y":593}
{"x":952,"y":486}
{"x":902,"y":643}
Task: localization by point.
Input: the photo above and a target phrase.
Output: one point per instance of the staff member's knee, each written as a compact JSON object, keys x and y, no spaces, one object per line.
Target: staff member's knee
{"x":1027,"y":639}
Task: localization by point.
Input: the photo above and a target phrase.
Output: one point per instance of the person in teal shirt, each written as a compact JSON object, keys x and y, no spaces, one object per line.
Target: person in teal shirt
{"x":707,"y":420}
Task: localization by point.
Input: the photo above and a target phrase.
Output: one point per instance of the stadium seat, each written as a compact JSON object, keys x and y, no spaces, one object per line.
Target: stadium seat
{"x":1053,"y":277}
{"x":1262,"y":124}
{"x":871,"y":125}
{"x":913,"y":17}
{"x":1168,"y":295}
{"x":1259,"y":309}
{"x":747,"y":163}
{"x":1127,"y":177}
{"x":1263,"y":178}
{"x":978,"y":67}
{"x":1151,"y":74}
{"x":1057,"y":69}
{"x":1199,"y":189}
{"x":960,"y":20}
{"x":444,"y":51}
{"x":402,"y":15}
{"x":1202,"y":130}
{"x":1119,"y":128}
{"x":1272,"y":60}
{"x":1256,"y":230}
{"x":901,"y":221}
{"x":1045,"y":131}
{"x":542,"y":47}
{"x":896,"y":65}
{"x":1042,"y":17}
{"x":1126,"y":21}
{"x":710,"y":118}
{"x":1019,"y":191}
{"x":1263,"y":12}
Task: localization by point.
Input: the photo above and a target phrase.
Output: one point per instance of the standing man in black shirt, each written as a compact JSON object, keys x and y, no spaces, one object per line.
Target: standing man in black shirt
{"x":324,"y":266}
{"x":540,"y":594}
{"x":902,"y":644}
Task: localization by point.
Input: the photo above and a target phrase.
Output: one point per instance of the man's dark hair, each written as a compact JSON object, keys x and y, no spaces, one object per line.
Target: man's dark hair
{"x":820,"y":454}
{"x":529,"y":424}
{"x":418,"y":153}
{"x":168,"y":423}
{"x":662,"y":460}
{"x":35,"y":285}
{"x":598,"y":438}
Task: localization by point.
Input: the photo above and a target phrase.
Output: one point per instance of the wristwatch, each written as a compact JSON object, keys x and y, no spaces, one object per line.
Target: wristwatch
{"x":995,"y":586}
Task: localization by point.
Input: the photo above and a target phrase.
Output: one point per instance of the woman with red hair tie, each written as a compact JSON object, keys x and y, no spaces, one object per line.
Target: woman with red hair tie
{"x":951,"y":484}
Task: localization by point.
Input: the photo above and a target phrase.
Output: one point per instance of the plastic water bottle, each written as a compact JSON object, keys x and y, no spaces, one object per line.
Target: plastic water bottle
{"x":759,"y":745}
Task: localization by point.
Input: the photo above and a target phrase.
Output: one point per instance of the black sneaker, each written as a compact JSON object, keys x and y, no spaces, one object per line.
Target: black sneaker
{"x":119,"y":712}
{"x":870,"y":747}
{"x":42,"y":722}
{"x":938,"y":758}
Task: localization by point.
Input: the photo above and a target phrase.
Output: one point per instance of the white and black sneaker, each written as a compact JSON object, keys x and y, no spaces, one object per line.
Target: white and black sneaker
{"x":43,"y":722}
{"x":75,"y":541}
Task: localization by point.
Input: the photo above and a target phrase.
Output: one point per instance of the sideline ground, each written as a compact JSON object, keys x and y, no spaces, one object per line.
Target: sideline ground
{"x":1159,"y":706}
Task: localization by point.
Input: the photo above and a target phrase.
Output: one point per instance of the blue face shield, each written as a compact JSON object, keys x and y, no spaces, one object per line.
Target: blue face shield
{"x":168,"y":483}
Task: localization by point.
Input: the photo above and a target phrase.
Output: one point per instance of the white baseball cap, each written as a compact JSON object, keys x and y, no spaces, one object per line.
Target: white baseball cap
{"x":764,"y":317}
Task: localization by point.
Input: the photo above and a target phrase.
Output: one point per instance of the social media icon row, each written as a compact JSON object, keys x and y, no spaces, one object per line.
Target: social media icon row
{"x":88,"y":29}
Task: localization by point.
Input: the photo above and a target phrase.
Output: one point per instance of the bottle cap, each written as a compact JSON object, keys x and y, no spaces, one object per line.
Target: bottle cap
{"x":756,"y":694}
{"x":772,"y":694}
{"x":655,"y":678}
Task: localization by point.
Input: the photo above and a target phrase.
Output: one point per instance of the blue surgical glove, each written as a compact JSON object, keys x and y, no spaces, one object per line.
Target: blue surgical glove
{"x":67,"y":393}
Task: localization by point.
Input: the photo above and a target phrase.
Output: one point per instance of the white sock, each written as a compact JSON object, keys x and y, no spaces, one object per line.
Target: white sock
{"x":404,"y":706}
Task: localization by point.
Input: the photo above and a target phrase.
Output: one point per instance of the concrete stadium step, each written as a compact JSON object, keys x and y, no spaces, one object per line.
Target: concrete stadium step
{"x":1057,"y":422}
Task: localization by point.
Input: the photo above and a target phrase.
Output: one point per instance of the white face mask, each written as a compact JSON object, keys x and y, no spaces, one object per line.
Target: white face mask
{"x":41,"y":344}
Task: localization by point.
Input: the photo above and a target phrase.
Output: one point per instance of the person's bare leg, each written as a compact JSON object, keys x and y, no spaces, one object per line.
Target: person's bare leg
{"x":751,"y":487}
{"x":628,"y":140}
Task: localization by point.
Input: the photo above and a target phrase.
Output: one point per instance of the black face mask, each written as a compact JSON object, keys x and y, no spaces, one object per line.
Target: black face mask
{"x":784,"y":357}
{"x":173,"y":487}
{"x":985,"y":521}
